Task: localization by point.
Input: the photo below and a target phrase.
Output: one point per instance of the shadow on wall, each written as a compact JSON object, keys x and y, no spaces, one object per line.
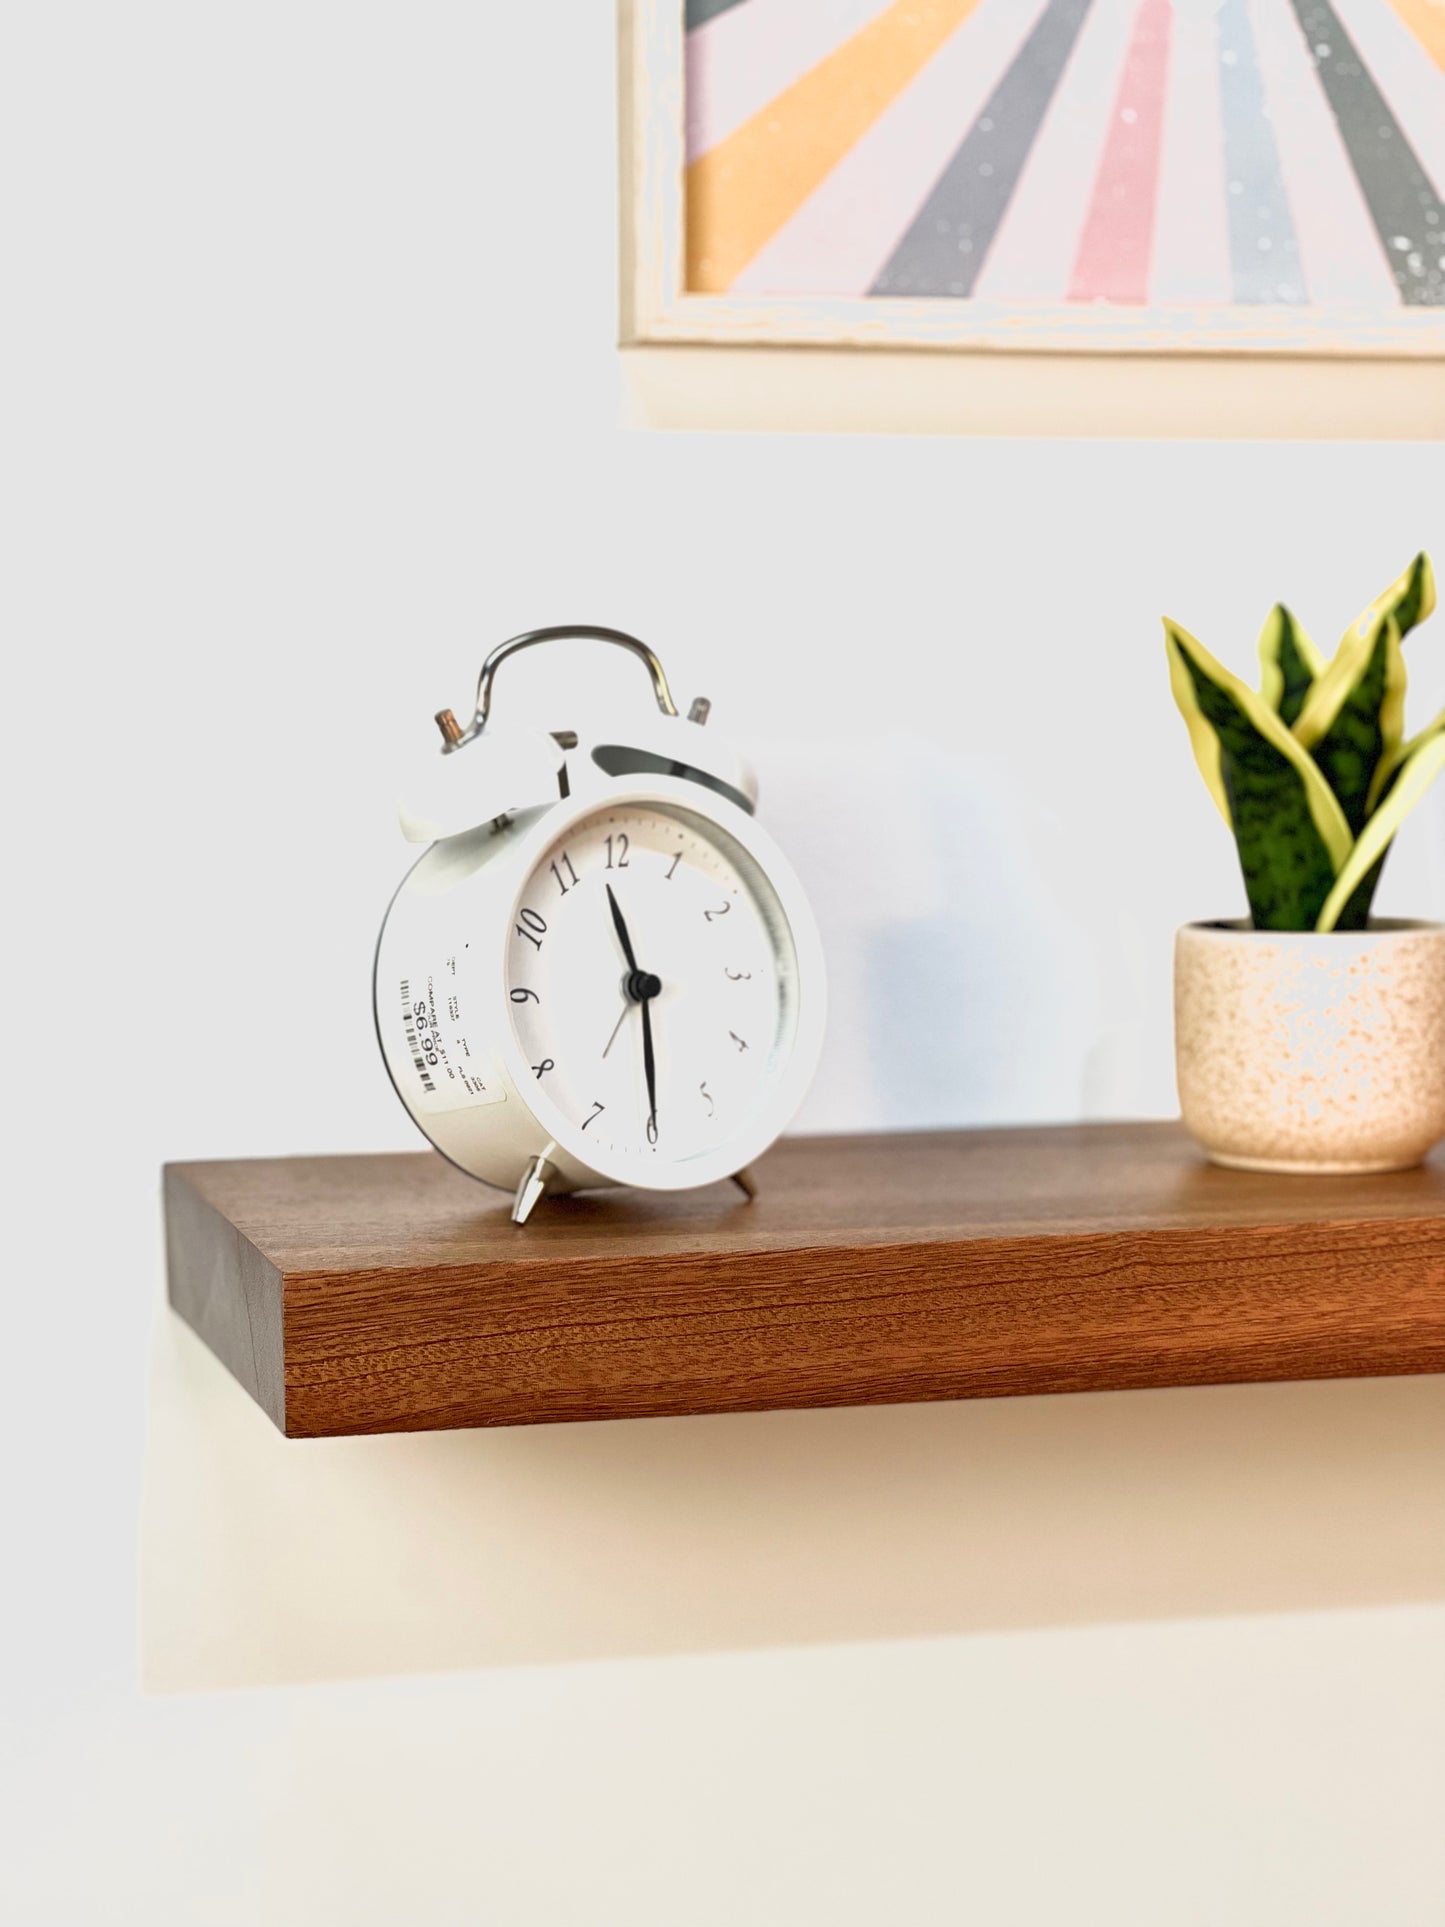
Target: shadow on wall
{"x":267,"y":1561}
{"x":962,"y":990}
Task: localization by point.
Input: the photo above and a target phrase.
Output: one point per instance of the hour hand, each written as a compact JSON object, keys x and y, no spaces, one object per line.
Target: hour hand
{"x":621,"y":928}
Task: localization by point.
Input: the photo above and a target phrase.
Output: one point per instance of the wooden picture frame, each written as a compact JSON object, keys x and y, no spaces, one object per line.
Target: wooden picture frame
{"x":1330,"y":371}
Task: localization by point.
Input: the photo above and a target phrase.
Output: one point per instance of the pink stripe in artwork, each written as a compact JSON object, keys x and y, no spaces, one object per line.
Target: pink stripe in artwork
{"x":1118,"y":238}
{"x":1033,"y":253}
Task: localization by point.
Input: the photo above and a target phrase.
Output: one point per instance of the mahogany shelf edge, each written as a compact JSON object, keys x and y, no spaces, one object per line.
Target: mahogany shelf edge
{"x":391,"y":1293}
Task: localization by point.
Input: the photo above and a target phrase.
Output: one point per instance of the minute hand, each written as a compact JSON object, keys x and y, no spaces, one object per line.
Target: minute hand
{"x":649,"y":1065}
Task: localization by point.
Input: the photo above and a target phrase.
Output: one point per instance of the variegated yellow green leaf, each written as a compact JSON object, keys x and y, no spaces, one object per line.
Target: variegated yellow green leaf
{"x":1356,"y":913}
{"x":1354,"y":716}
{"x":1291,"y":833}
{"x":1288,"y":663}
{"x":1411,"y":783}
{"x":1203,"y":736}
{"x":1390,"y":766}
{"x":1410,"y":598}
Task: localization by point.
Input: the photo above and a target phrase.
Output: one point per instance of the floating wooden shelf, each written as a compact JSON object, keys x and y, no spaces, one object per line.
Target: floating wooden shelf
{"x":385,"y":1294}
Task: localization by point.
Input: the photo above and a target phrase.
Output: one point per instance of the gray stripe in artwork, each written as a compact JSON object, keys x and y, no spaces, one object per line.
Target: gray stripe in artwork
{"x":1264,"y":254}
{"x":699,"y":11}
{"x":944,"y":250}
{"x":1404,"y":202}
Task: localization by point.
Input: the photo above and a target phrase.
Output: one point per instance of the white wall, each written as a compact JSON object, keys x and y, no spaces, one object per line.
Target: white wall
{"x":310,"y":394}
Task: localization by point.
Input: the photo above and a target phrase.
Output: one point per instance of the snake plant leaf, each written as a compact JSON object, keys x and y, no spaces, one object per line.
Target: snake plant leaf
{"x":1353,"y":719}
{"x":1390,"y":766}
{"x":1356,"y":913}
{"x":1410,"y":598}
{"x":1204,"y":738}
{"x":1411,"y":783}
{"x":1291,"y":833}
{"x":1288,"y":663}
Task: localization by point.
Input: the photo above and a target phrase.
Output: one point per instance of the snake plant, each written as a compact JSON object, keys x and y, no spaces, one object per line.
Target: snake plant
{"x":1313,"y":772}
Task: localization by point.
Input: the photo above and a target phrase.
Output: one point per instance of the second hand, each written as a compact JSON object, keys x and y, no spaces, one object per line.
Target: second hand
{"x":617,"y":1027}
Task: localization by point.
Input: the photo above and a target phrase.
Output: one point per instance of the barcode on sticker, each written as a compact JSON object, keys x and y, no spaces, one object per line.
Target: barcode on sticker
{"x":413,"y":1041}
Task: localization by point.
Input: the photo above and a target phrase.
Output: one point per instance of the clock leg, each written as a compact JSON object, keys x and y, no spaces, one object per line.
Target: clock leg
{"x":532,"y":1187}
{"x":746,"y":1182}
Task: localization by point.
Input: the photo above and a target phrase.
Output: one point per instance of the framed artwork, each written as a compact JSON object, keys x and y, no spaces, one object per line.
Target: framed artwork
{"x":1204,"y":177}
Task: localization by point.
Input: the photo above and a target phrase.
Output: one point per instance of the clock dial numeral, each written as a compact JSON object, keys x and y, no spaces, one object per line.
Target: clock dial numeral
{"x":532,"y":927}
{"x":618,"y":1001}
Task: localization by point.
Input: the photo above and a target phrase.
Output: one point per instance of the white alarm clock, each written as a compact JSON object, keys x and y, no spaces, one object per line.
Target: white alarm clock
{"x":602,"y":971}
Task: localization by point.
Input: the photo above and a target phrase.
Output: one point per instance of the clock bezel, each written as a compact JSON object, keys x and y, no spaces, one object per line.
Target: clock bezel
{"x":681,"y":797}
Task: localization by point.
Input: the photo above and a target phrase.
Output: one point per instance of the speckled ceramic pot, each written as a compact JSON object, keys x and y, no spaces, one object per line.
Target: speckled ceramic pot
{"x":1298,"y":1052}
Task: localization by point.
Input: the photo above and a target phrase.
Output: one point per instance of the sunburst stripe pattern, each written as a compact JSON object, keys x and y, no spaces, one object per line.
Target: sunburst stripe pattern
{"x":1069,"y":150}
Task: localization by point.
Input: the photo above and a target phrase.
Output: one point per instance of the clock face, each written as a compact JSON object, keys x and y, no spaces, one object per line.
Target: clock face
{"x":653,"y":986}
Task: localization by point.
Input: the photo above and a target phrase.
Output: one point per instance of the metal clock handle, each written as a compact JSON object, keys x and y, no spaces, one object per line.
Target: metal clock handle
{"x":453,"y":735}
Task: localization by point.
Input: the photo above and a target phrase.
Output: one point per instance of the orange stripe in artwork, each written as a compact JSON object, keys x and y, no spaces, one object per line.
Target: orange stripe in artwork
{"x":1426,"y":20}
{"x":743,"y":190}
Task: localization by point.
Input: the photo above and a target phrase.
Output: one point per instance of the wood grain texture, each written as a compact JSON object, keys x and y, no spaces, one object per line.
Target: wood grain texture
{"x":379,"y":1294}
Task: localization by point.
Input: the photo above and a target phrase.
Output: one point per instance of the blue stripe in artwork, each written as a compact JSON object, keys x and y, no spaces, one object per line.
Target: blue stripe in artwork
{"x":1264,"y":254}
